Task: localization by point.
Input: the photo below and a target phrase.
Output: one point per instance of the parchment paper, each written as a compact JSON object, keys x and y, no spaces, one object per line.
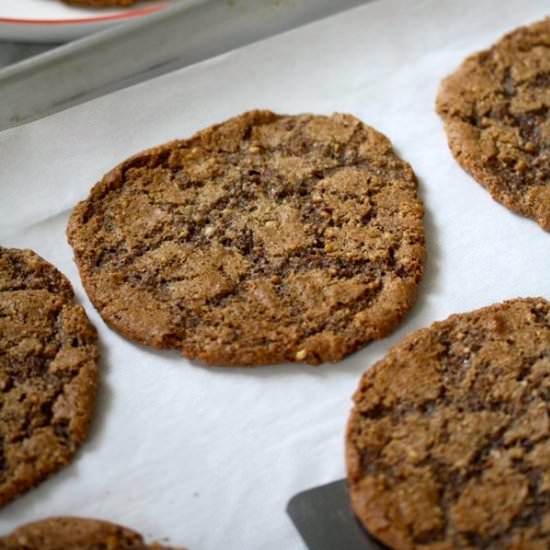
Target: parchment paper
{"x":209,"y":457}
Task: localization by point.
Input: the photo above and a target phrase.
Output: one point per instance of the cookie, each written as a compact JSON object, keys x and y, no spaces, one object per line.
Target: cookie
{"x":267,"y":238}
{"x":71,"y":533}
{"x":448,"y":443}
{"x":48,"y":371}
{"x":495,"y":111}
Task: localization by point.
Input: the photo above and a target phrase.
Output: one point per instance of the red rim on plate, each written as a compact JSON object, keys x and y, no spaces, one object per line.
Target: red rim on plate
{"x":85,"y":20}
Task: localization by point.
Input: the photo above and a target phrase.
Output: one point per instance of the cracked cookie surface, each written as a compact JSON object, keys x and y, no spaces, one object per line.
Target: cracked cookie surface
{"x":73,"y":533}
{"x":48,"y":371}
{"x":263,"y":239}
{"x":448,"y":443}
{"x":495,"y":111}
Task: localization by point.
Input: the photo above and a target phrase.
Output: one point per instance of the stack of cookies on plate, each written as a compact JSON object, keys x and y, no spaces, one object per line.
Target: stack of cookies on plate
{"x":100,"y":3}
{"x":276,"y":238}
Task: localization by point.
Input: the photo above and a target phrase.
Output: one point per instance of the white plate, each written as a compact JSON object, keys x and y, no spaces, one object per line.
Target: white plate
{"x":54,"y":21}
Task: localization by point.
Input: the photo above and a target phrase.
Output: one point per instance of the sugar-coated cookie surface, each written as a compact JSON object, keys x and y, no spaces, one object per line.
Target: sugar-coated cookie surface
{"x":73,"y":533}
{"x":263,"y":239}
{"x":495,"y":110}
{"x":448,"y":443}
{"x":48,"y":371}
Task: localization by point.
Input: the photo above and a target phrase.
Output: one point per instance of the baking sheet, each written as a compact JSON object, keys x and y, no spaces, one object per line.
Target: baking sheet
{"x":209,"y":457}
{"x":188,"y":32}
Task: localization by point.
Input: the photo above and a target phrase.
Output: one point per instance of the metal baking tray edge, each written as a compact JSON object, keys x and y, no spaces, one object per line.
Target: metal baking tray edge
{"x":187,"y":33}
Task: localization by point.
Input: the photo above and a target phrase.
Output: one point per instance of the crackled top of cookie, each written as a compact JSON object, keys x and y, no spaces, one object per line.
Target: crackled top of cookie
{"x":448,"y":443}
{"x":47,"y":371}
{"x":72,"y":533}
{"x":263,"y":239}
{"x":495,"y":109}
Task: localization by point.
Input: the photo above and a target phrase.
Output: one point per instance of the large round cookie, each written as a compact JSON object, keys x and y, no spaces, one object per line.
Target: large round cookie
{"x":495,"y":110}
{"x":264,"y":239}
{"x":72,"y":533}
{"x":448,"y":444}
{"x":48,"y":371}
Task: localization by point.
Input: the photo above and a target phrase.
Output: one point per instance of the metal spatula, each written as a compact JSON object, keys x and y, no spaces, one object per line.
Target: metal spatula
{"x":324,"y":519}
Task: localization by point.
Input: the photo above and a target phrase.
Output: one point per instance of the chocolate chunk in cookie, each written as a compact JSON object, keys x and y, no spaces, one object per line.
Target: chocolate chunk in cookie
{"x":48,"y":371}
{"x":448,"y":444}
{"x":495,"y":110}
{"x":264,"y":239}
{"x":72,"y":533}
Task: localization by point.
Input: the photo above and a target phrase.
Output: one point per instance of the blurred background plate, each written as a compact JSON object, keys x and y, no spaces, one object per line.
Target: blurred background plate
{"x":54,"y":21}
